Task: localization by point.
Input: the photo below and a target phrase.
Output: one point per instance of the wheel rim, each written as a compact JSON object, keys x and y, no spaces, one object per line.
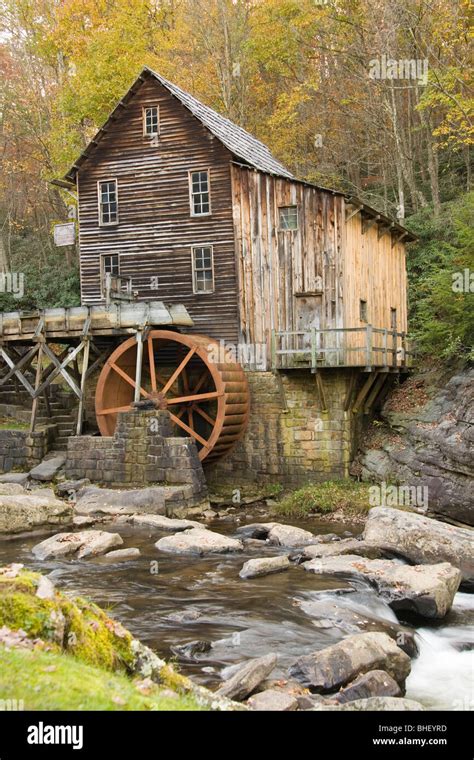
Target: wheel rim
{"x":207,"y":400}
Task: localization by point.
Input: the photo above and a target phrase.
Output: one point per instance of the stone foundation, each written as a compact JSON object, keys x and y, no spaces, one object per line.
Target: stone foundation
{"x":290,"y":439}
{"x":22,"y":450}
{"x":142,"y":452}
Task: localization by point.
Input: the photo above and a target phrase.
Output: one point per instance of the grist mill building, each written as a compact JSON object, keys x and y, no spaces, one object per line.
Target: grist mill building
{"x":266,"y":314}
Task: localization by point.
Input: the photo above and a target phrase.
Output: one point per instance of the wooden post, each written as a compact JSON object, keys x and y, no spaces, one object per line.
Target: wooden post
{"x":385,"y":347}
{"x":368,"y":350}
{"x":394,"y":348}
{"x":273,"y":350}
{"x":34,"y":407}
{"x":404,"y":349}
{"x":85,"y":366}
{"x":313,"y":349}
{"x":138,"y":369}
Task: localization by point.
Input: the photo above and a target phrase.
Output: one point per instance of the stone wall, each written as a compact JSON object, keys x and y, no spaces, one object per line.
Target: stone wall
{"x":21,"y":450}
{"x":290,"y":440}
{"x":143,"y":451}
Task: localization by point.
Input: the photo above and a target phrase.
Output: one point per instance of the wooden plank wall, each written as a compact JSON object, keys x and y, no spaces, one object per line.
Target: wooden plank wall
{"x":375,"y":271}
{"x":281,"y":271}
{"x":156,"y":231}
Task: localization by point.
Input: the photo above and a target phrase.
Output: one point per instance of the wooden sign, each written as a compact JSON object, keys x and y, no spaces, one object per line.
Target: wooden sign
{"x":65,"y":234}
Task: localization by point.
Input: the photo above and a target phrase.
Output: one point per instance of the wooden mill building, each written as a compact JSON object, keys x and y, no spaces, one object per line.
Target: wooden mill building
{"x":302,"y":286}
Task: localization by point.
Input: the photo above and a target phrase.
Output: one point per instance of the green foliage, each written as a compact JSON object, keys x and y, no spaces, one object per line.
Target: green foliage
{"x":49,"y":281}
{"x":324,"y":498}
{"x":442,"y":318}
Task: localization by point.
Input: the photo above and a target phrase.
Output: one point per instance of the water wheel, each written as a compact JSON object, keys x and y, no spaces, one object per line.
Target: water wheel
{"x":207,"y":399}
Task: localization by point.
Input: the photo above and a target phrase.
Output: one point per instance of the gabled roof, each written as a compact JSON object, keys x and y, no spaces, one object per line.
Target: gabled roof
{"x":240,"y":143}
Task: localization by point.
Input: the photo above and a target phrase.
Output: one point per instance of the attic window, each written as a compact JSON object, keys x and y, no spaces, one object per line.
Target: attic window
{"x":199,"y":193}
{"x":288,"y":217}
{"x":108,"y":202}
{"x":151,"y":122}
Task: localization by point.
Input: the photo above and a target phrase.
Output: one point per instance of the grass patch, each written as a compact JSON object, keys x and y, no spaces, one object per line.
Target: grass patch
{"x":50,"y":681}
{"x":348,"y":496}
{"x":9,"y":423}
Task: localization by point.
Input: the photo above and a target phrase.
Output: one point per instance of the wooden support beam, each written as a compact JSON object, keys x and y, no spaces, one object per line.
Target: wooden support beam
{"x":23,"y":363}
{"x":376,"y":388}
{"x":321,"y":394}
{"x":138,"y":368}
{"x":60,"y":369}
{"x":34,"y":406}
{"x":85,"y":365}
{"x":17,"y":373}
{"x":356,"y":211}
{"x":363,"y":392}
{"x":350,"y":391}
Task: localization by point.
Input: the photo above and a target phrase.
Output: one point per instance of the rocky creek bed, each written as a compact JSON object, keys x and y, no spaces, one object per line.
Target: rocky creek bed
{"x":209,"y":616}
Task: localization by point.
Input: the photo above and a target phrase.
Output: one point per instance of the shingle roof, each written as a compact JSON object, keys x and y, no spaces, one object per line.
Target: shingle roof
{"x":239,"y":142}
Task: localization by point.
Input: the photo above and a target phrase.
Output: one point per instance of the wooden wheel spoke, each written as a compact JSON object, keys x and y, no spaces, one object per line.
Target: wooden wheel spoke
{"x":204,"y":415}
{"x":127,"y":378}
{"x":197,"y":398}
{"x":115,"y":409}
{"x":178,"y":370}
{"x":201,"y":380}
{"x":190,"y":417}
{"x":151,"y":361}
{"x":189,"y":430}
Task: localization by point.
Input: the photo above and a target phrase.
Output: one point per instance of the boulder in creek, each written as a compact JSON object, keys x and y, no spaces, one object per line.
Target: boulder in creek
{"x":198,"y":541}
{"x":379,"y":704}
{"x":247,"y":677}
{"x":11,"y":489}
{"x":427,"y":590}
{"x":278,"y":534}
{"x":27,"y":511}
{"x":82,"y":544}
{"x":264,"y":566}
{"x":273,"y":700}
{"x":160,"y":522}
{"x":47,"y":469}
{"x":375,"y":683}
{"x":422,"y":540}
{"x":93,"y":499}
{"x":19,"y":478}
{"x":328,"y":669}
{"x":122,"y":555}
{"x":190,"y":651}
{"x":346,"y":546}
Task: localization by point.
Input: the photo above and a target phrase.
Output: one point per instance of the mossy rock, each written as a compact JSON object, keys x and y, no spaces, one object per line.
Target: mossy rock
{"x":43,"y":680}
{"x":76,"y":625}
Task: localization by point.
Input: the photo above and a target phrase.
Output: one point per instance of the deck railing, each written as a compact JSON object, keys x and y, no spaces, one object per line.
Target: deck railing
{"x":366,"y":347}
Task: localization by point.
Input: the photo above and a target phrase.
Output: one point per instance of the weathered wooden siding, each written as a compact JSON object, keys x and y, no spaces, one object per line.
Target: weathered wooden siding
{"x":288,"y":279}
{"x":375,"y":271}
{"x":156,"y":231}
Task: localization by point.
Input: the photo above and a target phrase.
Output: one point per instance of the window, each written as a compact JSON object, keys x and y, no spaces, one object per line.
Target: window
{"x":200,"y":196}
{"x":289,"y":218}
{"x":203,"y":269}
{"x":110,"y":264}
{"x":363,"y":311}
{"x":108,"y":202}
{"x":393,"y":319}
{"x":151,"y":124}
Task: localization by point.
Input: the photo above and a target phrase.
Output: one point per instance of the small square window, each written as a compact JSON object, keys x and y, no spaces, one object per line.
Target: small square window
{"x":289,"y":218}
{"x":363,"y":314}
{"x":151,"y":122}
{"x":110,"y":264}
{"x":203,"y":269}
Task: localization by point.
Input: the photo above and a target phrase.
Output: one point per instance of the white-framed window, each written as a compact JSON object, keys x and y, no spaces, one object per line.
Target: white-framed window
{"x":107,"y":192}
{"x":110,"y":264}
{"x":200,"y":193}
{"x":288,"y":217}
{"x":203,"y":268}
{"x":151,"y":121}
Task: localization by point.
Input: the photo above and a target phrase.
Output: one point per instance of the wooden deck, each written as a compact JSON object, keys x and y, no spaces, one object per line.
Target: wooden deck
{"x":365,"y":347}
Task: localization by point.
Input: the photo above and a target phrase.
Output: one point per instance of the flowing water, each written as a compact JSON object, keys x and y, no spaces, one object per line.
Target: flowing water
{"x":168,"y":600}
